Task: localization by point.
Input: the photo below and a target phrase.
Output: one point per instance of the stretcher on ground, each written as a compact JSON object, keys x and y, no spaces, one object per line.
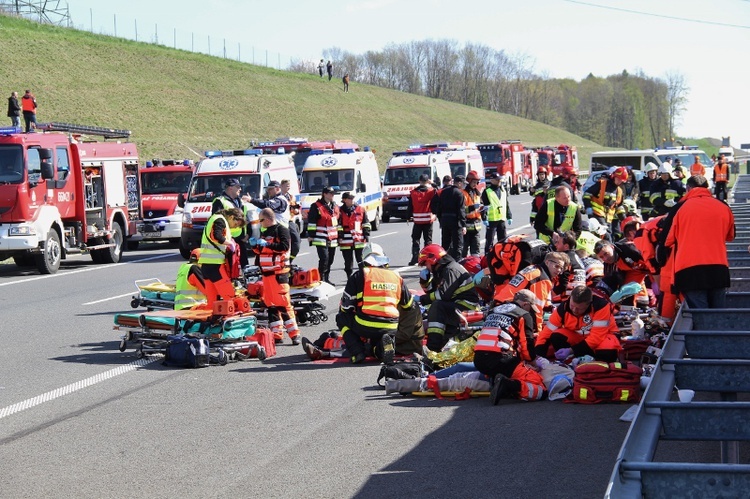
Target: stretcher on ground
{"x":148,"y":332}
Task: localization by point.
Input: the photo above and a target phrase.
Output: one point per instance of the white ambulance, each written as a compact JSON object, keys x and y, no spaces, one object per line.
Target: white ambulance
{"x":347,"y":170}
{"x":251,"y":167}
{"x":402,"y":176}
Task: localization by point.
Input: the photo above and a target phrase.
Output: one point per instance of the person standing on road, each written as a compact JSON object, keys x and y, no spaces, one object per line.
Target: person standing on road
{"x":701,"y":270}
{"x":322,"y":231}
{"x":496,"y":211}
{"x":474,"y":208}
{"x":229,"y":199}
{"x":354,"y":231}
{"x":666,"y":191}
{"x":329,"y":70}
{"x":645,"y":185}
{"x":293,"y":212}
{"x":452,"y":215}
{"x":697,"y":168}
{"x":14,"y":109}
{"x":602,"y":198}
{"x":721,"y":179}
{"x":28,"y":105}
{"x":420,"y":211}
{"x":538,"y":193}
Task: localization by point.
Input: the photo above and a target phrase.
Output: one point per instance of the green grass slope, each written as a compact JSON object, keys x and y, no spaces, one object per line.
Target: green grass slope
{"x":179,"y":104}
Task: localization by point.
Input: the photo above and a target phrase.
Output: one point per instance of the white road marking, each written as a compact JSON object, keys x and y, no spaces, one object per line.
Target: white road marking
{"x":383,"y":235}
{"x":107,"y":299}
{"x":100,"y":267}
{"x":74,"y":387}
{"x":303,"y":254}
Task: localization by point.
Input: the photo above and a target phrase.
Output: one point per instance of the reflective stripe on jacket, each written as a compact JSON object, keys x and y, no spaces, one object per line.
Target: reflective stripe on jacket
{"x":213,"y":252}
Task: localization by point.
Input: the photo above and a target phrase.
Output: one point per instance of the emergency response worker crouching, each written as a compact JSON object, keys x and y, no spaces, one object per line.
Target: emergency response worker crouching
{"x":504,"y":346}
{"x":218,"y":251}
{"x":450,"y":290}
{"x":583,"y":325}
{"x":372,"y":302}
{"x":190,"y":283}
{"x":273,"y":251}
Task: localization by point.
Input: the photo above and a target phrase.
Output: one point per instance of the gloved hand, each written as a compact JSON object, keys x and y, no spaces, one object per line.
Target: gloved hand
{"x":486,"y":223}
{"x":252,"y":242}
{"x":262,"y":243}
{"x":477,"y":206}
{"x":478,"y":277}
{"x":424,"y":274}
{"x":590,"y":212}
{"x":669,"y":203}
{"x":625,"y":291}
{"x":563,"y":353}
{"x":509,"y":222}
{"x":541,"y":362}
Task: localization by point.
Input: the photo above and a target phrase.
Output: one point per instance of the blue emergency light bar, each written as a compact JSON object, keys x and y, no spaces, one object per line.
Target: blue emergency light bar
{"x":229,"y":153}
{"x":10,"y":130}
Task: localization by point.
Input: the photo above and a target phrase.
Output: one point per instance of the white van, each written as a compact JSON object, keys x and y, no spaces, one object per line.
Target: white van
{"x":402,"y":176}
{"x":345,"y":170}
{"x":637,"y":159}
{"x":251,"y":167}
{"x":465,"y":159}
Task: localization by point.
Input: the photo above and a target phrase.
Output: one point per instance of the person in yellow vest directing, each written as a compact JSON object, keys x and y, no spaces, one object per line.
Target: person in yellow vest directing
{"x":190,"y":283}
{"x":371,"y":305}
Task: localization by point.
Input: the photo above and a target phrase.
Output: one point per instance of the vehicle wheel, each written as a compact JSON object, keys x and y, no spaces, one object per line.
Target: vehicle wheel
{"x":375,"y":224}
{"x":386,"y":218}
{"x":132,"y":245}
{"x":315,"y":320}
{"x":113,"y":255}
{"x":26,"y":260}
{"x":135,"y":303}
{"x":48,"y":261}
{"x":324,"y":318}
{"x":184,"y":252}
{"x":96,"y":256}
{"x":123,"y":345}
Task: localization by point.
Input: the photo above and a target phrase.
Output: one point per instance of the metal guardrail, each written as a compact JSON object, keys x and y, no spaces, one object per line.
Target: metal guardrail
{"x":704,"y":334}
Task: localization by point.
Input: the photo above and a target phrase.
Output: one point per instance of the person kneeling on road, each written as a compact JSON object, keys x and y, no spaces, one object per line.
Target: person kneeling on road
{"x":504,"y":346}
{"x":373,"y":300}
{"x":582,"y":325}
{"x":190,"y":285}
{"x":450,"y":289}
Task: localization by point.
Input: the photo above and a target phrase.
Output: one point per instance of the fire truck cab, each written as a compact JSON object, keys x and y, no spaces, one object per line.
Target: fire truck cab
{"x":507,"y":158}
{"x":61,"y":195}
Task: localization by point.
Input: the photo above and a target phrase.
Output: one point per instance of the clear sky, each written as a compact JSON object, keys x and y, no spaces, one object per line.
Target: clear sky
{"x":707,"y":41}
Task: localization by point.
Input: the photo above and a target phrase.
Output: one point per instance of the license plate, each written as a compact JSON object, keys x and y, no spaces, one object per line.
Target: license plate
{"x":151,"y":235}
{"x":151,"y":228}
{"x":402,"y":207}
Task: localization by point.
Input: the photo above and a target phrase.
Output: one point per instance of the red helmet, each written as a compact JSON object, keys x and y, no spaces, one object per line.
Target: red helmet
{"x":569,"y":170}
{"x":628,"y":221}
{"x":431,"y":254}
{"x":472,"y":176}
{"x":195,"y":255}
{"x":542,"y":169}
{"x":472,"y":264}
{"x":620,"y":172}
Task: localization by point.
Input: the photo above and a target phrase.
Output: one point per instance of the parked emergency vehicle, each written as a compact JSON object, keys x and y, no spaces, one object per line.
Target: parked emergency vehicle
{"x":301,"y":148}
{"x":726,"y":150}
{"x":530,"y":165}
{"x":557,"y":158}
{"x":464,"y":157}
{"x":402,"y":176}
{"x":61,"y":196}
{"x":507,"y":158}
{"x":161,"y":183}
{"x":638,"y":158}
{"x":251,"y":167}
{"x":347,"y":170}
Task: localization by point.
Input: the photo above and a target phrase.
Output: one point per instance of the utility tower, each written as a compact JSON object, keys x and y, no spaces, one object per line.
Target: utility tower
{"x":43,"y":11}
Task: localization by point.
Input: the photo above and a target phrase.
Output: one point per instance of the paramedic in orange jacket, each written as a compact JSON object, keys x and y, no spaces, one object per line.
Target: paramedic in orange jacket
{"x":721,"y":179}
{"x":700,"y":230}
{"x":503,"y":347}
{"x":217,"y":249}
{"x":624,"y":258}
{"x":539,"y":279}
{"x":697,"y":168}
{"x":583,"y":325}
{"x":273,"y":251}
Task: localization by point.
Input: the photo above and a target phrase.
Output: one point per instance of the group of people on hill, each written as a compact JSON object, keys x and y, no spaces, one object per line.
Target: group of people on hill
{"x":26,"y":108}
{"x":328,"y":68}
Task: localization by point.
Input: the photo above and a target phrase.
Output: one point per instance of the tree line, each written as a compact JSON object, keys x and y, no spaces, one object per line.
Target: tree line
{"x":623,"y":110}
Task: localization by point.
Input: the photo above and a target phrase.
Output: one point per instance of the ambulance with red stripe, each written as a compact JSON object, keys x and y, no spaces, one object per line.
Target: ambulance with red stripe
{"x":251,"y":167}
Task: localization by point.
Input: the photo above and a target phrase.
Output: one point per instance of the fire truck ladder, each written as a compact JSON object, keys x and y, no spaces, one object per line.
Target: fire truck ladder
{"x":107,"y":133}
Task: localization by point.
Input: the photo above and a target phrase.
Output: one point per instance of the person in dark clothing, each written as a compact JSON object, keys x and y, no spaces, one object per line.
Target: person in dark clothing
{"x":566,"y":215}
{"x":329,"y":70}
{"x":452,"y":215}
{"x":28,"y":106}
{"x":354,"y":231}
{"x":322,"y":231}
{"x":421,"y":211}
{"x":14,"y":109}
{"x":496,"y":213}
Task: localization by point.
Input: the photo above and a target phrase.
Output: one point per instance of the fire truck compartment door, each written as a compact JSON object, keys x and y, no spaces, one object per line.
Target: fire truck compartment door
{"x":114,"y":180}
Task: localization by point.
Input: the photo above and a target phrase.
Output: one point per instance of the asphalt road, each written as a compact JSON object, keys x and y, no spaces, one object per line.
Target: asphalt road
{"x":77,"y":417}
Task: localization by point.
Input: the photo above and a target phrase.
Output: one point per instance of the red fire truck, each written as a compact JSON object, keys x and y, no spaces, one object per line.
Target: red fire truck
{"x":557,"y":158}
{"x":161,"y":182}
{"x":506,"y":157}
{"x":61,"y":195}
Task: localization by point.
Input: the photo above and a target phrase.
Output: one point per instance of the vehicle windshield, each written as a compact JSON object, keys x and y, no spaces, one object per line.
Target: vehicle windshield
{"x":11,"y":164}
{"x":492,"y":155}
{"x":687,"y":158}
{"x":340,"y":180}
{"x":458,"y":169}
{"x":402,"y":176}
{"x":157,"y":182}
{"x":300,"y":156}
{"x":544,"y":160}
{"x":207,"y":188}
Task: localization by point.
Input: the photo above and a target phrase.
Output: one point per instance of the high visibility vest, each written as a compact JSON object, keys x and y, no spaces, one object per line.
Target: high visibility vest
{"x":420,"y":201}
{"x":498,"y":205}
{"x":605,"y":202}
{"x":186,"y":295}
{"x":27,"y":105}
{"x":474,"y":217}
{"x":567,"y":223}
{"x":721,"y":173}
{"x":503,"y":332}
{"x":380,"y":295}
{"x":277,"y":262}
{"x":212,"y":252}
{"x":326,"y":227}
{"x":351,"y":227}
{"x":697,"y":168}
{"x":228,"y":205}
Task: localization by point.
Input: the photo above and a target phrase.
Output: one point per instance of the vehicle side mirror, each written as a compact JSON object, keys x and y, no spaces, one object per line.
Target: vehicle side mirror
{"x":363,"y":188}
{"x":181,"y":200}
{"x":48,"y":170}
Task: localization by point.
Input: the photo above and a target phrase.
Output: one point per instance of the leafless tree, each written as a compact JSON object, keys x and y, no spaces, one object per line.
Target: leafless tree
{"x":677,"y":92}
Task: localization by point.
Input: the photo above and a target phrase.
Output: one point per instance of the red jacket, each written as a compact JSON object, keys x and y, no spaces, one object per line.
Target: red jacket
{"x":700,"y":230}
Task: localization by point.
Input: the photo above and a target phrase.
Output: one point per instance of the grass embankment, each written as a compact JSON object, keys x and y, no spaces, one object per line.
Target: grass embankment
{"x":179,"y":103}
